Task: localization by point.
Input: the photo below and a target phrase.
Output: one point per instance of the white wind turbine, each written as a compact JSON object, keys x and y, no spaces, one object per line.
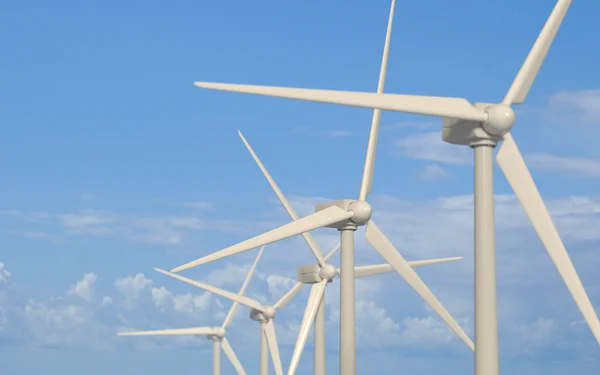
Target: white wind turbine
{"x":319,"y":275}
{"x":480,"y":126}
{"x":258,"y":312}
{"x":346,"y":216}
{"x":314,"y":311}
{"x":216,"y":334}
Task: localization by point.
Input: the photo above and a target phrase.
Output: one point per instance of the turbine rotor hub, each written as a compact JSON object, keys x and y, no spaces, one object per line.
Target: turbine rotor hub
{"x":328,"y":272}
{"x":269,"y":312}
{"x":362,"y":212}
{"x":219,"y":332}
{"x":501,"y":118}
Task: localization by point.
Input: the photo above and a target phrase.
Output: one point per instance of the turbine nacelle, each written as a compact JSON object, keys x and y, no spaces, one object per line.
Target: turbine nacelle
{"x":264,"y":315}
{"x":218,"y":334}
{"x":314,"y":273}
{"x":361,"y":211}
{"x":500,"y":118}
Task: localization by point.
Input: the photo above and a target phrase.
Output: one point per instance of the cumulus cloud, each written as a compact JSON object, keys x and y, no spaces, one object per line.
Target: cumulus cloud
{"x":85,"y":287}
{"x":133,"y":287}
{"x":74,"y":320}
{"x":431,"y":173}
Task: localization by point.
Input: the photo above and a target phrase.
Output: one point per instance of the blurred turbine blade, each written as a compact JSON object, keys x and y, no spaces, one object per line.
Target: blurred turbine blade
{"x":314,"y":247}
{"x":438,"y":106}
{"x":269,"y":333}
{"x":316,"y":294}
{"x":289,"y":295}
{"x":199,"y":331}
{"x":514,"y":168}
{"x":232,"y":357}
{"x":253,"y":304}
{"x":332,"y":252}
{"x":367,"y":177}
{"x":231,"y":313}
{"x":530,"y":68}
{"x":328,"y":216}
{"x":385,"y":248}
{"x":377,"y":269}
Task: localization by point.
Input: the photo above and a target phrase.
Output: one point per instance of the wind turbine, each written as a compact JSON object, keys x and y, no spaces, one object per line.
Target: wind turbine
{"x":306,"y":275}
{"x":315,"y":274}
{"x":346,"y":216}
{"x":480,"y":126}
{"x":216,"y":334}
{"x":258,"y":312}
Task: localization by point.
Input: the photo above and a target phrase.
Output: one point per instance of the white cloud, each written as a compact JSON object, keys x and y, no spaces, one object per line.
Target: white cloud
{"x":194,"y":306}
{"x":584,"y":104}
{"x":64,"y":325}
{"x":338,"y":133}
{"x":198,"y":205}
{"x":565,"y":165}
{"x":432,"y":172}
{"x":427,"y":332}
{"x":279,"y":285}
{"x":155,"y":229}
{"x":230,"y":275}
{"x":132,"y":287}
{"x":75,"y":322}
{"x":4,"y":274}
{"x":85,"y":287}
{"x":429,"y":146}
{"x":6,"y":302}
{"x":538,"y":333}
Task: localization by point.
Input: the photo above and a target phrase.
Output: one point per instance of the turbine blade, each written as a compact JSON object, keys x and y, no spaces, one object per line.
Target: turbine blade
{"x":232,"y":357}
{"x":367,"y":177}
{"x":289,"y":295}
{"x":384,"y":247}
{"x":199,"y":331}
{"x":422,"y":105}
{"x":316,"y":250}
{"x":231,"y":313}
{"x":328,"y":216}
{"x":513,"y":166}
{"x":316,"y":293}
{"x":332,"y":252}
{"x":253,"y":304}
{"x":269,"y":333}
{"x":530,"y":68}
{"x":377,"y":269}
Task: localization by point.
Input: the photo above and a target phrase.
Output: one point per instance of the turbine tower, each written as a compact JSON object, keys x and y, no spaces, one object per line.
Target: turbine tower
{"x":480,"y":126}
{"x":346,"y":216}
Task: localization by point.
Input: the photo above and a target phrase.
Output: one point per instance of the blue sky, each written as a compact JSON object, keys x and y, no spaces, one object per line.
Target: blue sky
{"x":112,"y":163}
